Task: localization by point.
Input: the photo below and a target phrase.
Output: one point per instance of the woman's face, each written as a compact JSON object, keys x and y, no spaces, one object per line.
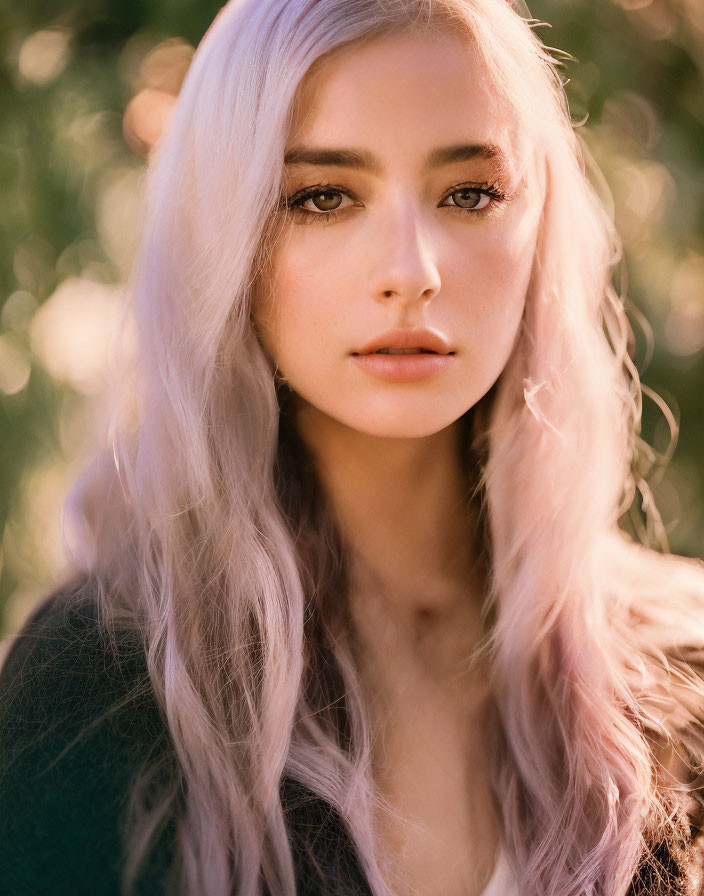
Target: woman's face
{"x":413,"y":204}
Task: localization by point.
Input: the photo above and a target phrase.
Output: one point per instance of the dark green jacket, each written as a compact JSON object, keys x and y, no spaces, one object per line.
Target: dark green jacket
{"x":77,"y":719}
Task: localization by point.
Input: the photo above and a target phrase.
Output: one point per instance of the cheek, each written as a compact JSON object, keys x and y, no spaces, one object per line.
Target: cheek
{"x":298,"y":299}
{"x":266,"y":320}
{"x":280,"y":306}
{"x":306,"y":302}
{"x":497,"y":270}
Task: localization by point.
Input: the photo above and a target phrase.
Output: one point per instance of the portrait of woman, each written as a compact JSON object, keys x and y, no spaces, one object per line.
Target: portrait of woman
{"x":351,"y":610}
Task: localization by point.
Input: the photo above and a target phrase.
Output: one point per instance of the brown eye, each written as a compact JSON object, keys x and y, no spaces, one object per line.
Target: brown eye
{"x":470,"y":199}
{"x":326,"y":201}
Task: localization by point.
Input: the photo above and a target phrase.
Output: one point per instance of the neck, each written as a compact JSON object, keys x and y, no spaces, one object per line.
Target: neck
{"x":401,"y":507}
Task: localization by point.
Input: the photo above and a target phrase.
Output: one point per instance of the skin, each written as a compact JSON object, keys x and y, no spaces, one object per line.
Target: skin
{"x":401,"y":253}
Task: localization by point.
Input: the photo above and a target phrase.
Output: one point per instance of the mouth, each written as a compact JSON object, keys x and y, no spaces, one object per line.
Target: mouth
{"x":416,"y":341}
{"x":403,"y":351}
{"x":403,"y":365}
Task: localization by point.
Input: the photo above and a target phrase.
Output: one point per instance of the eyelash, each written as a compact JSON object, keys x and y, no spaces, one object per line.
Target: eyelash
{"x":496,"y":194}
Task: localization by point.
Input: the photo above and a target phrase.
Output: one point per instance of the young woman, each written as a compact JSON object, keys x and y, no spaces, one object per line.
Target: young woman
{"x":352,"y":611}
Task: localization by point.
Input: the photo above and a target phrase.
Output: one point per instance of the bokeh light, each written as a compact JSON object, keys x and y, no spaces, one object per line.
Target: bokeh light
{"x":89,"y":89}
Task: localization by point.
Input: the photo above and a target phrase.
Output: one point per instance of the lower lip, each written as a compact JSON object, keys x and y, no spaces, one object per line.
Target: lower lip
{"x":404,"y":368}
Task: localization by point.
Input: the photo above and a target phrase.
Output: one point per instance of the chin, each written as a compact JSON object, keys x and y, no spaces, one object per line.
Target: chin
{"x":408,"y":424}
{"x":400,"y":416}
{"x":403,"y":432}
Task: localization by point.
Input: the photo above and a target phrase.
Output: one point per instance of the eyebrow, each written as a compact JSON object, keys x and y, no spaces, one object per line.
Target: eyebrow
{"x":363,"y":160}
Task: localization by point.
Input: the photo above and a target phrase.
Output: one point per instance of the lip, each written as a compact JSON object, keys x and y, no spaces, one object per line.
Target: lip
{"x":404,"y":368}
{"x":431,"y":340}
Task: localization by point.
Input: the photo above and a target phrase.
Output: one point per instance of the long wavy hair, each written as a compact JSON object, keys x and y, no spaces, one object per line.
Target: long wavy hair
{"x":207,"y":531}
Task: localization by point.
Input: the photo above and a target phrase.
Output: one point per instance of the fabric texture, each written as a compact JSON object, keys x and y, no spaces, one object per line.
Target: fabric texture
{"x":74,"y":726}
{"x":77,"y":720}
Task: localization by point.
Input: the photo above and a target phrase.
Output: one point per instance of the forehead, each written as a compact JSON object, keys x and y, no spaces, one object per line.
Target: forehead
{"x":404,"y":93}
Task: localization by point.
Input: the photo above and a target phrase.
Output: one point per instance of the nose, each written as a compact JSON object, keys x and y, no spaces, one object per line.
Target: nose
{"x":405,"y":264}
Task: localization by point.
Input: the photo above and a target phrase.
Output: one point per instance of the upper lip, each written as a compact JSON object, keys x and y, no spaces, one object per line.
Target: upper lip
{"x":419,"y":338}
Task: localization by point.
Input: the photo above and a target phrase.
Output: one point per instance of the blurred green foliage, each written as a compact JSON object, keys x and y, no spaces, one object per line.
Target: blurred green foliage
{"x":69,"y":193}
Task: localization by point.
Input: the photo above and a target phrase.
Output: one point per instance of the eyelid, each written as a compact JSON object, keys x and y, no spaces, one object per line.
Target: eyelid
{"x":306,"y":193}
{"x":498,"y":195}
{"x":494,"y":191}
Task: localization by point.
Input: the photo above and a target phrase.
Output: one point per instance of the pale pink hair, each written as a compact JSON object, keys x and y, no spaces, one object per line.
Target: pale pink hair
{"x":205,"y":528}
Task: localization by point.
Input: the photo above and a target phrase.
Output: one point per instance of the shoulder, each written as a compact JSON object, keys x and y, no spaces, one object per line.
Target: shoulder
{"x":64,"y":669}
{"x":63,"y":628}
{"x":77,"y":720}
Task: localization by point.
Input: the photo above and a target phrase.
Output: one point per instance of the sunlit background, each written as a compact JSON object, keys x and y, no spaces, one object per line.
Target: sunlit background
{"x":84,"y":94}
